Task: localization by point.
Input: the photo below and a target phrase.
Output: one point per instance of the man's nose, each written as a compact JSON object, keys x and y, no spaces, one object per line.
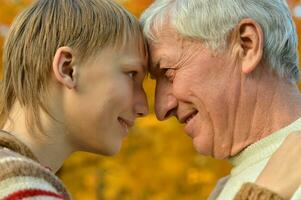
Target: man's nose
{"x":165,"y":101}
{"x":140,"y":103}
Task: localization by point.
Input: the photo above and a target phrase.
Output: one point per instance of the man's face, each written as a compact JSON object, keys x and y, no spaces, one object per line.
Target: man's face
{"x":198,"y":86}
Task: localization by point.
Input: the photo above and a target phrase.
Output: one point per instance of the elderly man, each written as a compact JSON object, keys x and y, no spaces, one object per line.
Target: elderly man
{"x":228,"y":71}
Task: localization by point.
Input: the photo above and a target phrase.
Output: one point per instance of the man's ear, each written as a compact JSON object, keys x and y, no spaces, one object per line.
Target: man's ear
{"x":250,"y":40}
{"x":64,"y":68}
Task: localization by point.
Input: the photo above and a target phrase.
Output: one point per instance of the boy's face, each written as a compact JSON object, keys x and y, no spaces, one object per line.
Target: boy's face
{"x":108,"y":97}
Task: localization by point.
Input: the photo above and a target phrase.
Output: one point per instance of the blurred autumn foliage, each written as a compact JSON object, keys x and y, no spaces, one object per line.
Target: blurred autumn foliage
{"x":157,"y":160}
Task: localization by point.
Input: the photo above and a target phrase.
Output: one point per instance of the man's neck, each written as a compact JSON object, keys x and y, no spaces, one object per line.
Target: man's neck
{"x":265,"y":108}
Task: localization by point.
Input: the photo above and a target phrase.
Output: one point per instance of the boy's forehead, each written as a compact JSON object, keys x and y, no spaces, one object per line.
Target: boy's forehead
{"x":131,"y":57}
{"x":135,"y":48}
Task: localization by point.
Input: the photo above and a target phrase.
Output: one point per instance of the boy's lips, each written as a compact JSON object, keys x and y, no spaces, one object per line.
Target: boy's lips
{"x":126,"y":124}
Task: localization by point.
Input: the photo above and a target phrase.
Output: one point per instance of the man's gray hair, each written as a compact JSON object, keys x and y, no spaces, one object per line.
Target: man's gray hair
{"x":212,"y":21}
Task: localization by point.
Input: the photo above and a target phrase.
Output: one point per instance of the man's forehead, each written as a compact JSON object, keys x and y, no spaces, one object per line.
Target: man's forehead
{"x":162,"y":49}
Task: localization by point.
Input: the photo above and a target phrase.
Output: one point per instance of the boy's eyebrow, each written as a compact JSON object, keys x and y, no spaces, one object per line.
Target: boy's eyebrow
{"x":139,"y":63}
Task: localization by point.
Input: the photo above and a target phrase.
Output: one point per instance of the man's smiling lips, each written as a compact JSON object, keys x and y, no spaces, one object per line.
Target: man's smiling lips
{"x":188,"y":119}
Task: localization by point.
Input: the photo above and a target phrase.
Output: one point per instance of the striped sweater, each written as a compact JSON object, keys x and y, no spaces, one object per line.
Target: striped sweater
{"x":22,"y":177}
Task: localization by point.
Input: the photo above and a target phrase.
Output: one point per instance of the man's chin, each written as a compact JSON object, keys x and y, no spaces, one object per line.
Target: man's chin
{"x":201,"y":148}
{"x":208,"y":150}
{"x":221,"y":156}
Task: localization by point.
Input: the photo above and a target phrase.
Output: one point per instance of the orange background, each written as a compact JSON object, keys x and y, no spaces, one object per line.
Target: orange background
{"x":157,"y":161}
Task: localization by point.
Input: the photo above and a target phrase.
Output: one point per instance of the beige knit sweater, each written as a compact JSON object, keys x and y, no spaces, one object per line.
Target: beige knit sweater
{"x":249,"y":163}
{"x":22,"y":176}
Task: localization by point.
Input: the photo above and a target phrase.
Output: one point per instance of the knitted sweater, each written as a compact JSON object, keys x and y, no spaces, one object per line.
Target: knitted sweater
{"x":249,"y":163}
{"x":251,"y":191}
{"x":22,"y":176}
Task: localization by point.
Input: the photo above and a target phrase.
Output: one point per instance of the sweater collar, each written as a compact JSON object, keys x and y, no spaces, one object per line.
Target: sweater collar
{"x":7,"y":140}
{"x":263,"y":148}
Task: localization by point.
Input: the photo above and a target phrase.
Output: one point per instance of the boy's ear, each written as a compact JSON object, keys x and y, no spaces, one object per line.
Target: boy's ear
{"x":250,"y":41}
{"x":64,"y":68}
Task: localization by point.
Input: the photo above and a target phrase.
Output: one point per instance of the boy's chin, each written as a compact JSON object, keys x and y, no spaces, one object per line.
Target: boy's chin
{"x":110,"y":150}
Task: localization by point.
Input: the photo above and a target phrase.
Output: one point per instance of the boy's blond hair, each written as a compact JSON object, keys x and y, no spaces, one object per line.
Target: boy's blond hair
{"x":86,"y":26}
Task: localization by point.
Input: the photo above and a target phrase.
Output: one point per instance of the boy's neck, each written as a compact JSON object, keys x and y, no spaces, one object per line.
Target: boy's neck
{"x":50,"y":146}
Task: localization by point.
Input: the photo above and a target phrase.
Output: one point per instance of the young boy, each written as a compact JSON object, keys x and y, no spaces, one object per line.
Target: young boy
{"x":73,"y":82}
